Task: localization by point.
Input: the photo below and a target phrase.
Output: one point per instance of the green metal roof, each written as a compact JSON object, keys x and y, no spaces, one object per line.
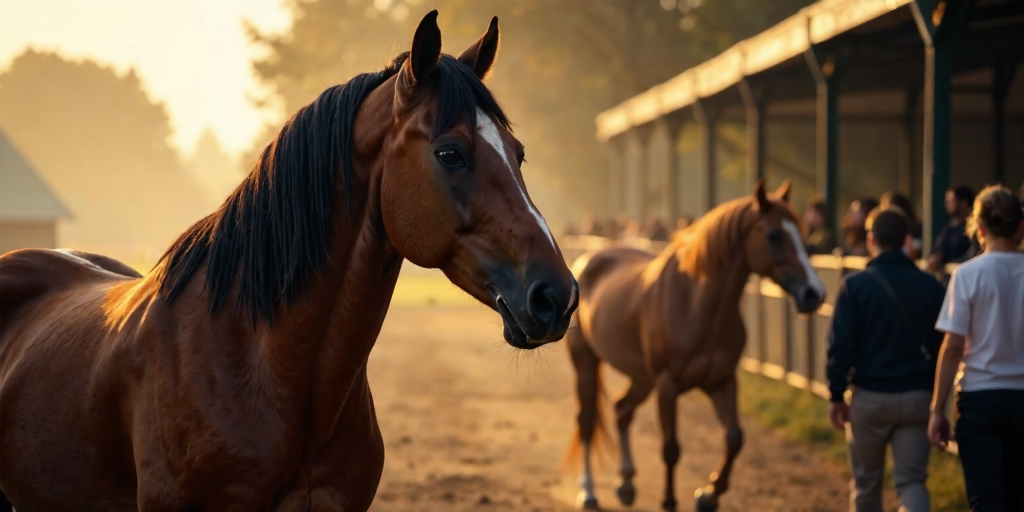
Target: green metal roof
{"x":23,"y":194}
{"x":790,"y":38}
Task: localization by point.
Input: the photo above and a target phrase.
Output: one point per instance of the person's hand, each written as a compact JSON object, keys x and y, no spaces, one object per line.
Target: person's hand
{"x":938,"y":430}
{"x":839,"y":414}
{"x":935,"y":261}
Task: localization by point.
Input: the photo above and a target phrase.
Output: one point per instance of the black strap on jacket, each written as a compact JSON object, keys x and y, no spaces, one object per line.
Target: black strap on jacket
{"x":903,"y":310}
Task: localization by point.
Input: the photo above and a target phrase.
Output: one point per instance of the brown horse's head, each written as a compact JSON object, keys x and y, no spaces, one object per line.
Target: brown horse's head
{"x":453,"y":196}
{"x":774,"y":248}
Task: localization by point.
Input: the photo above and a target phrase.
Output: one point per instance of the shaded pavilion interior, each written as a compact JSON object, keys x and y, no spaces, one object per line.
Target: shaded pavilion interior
{"x":848,"y":98}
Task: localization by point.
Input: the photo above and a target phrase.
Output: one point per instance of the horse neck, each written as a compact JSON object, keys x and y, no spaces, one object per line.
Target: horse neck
{"x":319,"y":344}
{"x":718,"y":282}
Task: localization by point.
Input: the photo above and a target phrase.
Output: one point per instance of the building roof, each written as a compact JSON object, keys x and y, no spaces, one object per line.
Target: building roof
{"x":23,"y":193}
{"x":792,"y":37}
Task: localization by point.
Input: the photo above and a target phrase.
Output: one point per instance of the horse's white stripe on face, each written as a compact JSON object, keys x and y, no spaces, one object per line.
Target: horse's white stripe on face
{"x":812,"y":275}
{"x":490,"y":133}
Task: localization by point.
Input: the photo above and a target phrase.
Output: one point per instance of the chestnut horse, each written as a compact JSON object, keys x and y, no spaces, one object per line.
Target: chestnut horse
{"x":671,"y":322}
{"x":233,"y":376}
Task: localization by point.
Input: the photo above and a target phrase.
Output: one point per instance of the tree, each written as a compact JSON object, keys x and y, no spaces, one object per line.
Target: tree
{"x":102,"y":144}
{"x":212,"y":167}
{"x":562,"y":62}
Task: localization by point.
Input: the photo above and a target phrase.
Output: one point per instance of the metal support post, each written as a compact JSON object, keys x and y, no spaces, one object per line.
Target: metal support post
{"x":706,"y":121}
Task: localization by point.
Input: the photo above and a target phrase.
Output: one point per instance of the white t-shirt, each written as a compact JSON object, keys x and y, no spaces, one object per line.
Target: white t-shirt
{"x":985,"y":304}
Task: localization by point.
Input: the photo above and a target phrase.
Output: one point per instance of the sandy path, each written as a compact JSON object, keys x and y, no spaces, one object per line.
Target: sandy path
{"x":469,"y":426}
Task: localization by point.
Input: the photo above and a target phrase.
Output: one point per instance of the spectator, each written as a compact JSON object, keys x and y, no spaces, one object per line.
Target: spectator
{"x":589,"y":226}
{"x":683,"y":223}
{"x":622,"y":225}
{"x":854,"y":234}
{"x":612,"y":229}
{"x":952,"y":243}
{"x":818,"y":238}
{"x":984,"y":328}
{"x":881,"y":341}
{"x":902,"y":202}
{"x":656,"y":230}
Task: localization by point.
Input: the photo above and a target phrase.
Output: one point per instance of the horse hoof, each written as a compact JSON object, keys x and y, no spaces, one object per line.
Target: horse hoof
{"x":668,"y":505}
{"x":706,"y":501}
{"x":627,"y":493}
{"x":586,"y":502}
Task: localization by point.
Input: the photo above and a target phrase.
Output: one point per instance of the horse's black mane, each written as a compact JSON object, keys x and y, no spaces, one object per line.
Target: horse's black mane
{"x":271,"y":234}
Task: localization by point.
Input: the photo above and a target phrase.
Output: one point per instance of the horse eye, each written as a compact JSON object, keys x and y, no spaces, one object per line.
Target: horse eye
{"x":450,"y":157}
{"x":774,"y":238}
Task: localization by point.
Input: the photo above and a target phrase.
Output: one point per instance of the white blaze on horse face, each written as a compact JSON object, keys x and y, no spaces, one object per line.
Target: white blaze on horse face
{"x":813,"y":280}
{"x":490,"y":133}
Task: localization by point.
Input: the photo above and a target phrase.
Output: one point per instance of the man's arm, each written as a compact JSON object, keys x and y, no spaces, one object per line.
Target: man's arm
{"x":843,"y":341}
{"x":950,"y":356}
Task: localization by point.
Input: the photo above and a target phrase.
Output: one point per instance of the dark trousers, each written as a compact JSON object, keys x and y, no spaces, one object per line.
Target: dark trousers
{"x":990,"y":435}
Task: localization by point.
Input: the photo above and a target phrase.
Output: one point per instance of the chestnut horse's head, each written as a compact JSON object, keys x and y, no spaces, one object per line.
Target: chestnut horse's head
{"x":775,"y":248}
{"x":453,"y":196}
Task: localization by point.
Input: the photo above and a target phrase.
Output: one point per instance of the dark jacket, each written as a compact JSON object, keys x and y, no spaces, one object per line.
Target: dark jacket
{"x":953,"y":243}
{"x":871,"y":337}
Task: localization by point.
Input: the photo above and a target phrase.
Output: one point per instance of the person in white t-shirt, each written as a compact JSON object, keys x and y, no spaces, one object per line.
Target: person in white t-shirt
{"x":983,"y":318}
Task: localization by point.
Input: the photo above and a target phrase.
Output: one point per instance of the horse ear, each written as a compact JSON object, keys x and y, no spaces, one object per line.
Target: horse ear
{"x":426,"y":50}
{"x":763,"y":203}
{"x":480,"y":55}
{"x":783,"y":191}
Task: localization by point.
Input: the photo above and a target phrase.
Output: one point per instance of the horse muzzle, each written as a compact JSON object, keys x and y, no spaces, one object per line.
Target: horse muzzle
{"x":539,"y":314}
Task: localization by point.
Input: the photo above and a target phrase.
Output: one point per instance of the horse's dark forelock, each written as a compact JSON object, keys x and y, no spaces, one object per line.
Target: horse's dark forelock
{"x":272,"y":232}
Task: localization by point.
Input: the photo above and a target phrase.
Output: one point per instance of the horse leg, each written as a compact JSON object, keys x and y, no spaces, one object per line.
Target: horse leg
{"x":625,"y":406}
{"x":587,"y":383}
{"x":667,"y":394}
{"x":724,"y":398}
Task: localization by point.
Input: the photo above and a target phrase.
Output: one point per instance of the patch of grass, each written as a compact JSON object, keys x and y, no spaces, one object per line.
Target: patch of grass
{"x":801,"y":417}
{"x":419,"y":287}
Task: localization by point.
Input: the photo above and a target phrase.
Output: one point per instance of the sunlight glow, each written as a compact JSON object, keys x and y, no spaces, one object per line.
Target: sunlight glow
{"x":192,"y":55}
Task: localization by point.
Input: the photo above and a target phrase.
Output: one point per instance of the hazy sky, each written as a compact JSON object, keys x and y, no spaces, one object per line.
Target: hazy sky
{"x":192,"y":55}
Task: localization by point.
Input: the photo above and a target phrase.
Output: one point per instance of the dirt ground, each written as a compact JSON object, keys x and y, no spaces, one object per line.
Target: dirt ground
{"x":469,"y":424}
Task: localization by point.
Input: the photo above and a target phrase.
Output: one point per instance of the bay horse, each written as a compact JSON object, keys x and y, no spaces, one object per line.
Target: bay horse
{"x":233,"y":376}
{"x":672,"y":322}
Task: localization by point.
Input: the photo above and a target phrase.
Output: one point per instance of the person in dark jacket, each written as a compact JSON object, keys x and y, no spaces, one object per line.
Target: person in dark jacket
{"x":952,"y":245}
{"x":882,"y":341}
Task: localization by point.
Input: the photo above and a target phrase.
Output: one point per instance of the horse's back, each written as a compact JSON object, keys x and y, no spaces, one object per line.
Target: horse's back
{"x":29,"y":275}
{"x":592,"y":267}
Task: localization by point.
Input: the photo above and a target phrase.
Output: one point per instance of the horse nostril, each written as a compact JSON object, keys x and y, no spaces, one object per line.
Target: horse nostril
{"x":810,"y":297}
{"x":541,"y":303}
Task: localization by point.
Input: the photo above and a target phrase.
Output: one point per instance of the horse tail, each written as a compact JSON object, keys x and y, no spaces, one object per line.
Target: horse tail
{"x":601,"y":442}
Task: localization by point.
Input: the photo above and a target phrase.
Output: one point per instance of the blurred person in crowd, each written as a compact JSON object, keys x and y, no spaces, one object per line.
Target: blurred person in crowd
{"x":952,"y":244}
{"x":622,"y":224}
{"x":882,"y":342}
{"x":590,"y":227}
{"x":611,"y":229}
{"x":656,"y":229}
{"x":683,"y":223}
{"x":633,"y":230}
{"x":984,"y":325}
{"x":854,"y":234}
{"x":902,"y":202}
{"x":818,"y":238}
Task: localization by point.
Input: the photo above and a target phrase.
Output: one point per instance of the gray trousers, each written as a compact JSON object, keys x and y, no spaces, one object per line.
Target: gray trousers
{"x":878,"y":420}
